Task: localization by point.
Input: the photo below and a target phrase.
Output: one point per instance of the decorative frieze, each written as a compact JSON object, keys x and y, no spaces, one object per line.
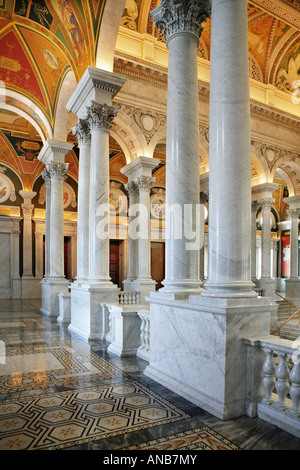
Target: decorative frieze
{"x":272,"y":154}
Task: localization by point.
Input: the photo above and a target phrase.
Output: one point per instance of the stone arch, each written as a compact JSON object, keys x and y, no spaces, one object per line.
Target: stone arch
{"x":111,"y":20}
{"x":63,"y":119}
{"x":260,"y":165}
{"x":23,"y":106}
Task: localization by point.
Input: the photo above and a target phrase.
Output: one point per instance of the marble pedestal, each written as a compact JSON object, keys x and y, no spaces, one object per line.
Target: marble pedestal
{"x":88,"y":309}
{"x":269,"y":286}
{"x":64,"y":301}
{"x":31,"y":287}
{"x":292,"y":291}
{"x":50,"y":299}
{"x":125,"y":330}
{"x":197,"y":348}
{"x":144,"y":287}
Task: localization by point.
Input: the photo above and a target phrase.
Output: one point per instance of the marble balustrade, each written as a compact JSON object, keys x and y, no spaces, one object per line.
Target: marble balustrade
{"x":273,"y":392}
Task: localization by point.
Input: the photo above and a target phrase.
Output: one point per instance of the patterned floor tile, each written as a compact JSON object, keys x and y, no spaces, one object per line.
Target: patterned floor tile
{"x":74,"y":417}
{"x":202,"y":438}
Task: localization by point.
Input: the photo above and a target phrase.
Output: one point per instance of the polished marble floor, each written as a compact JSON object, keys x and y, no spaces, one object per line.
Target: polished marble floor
{"x":58,"y":392}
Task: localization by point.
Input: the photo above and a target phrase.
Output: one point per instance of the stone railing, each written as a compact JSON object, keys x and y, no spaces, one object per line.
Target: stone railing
{"x":273,"y":387}
{"x":129,"y":298}
{"x":144,"y":349}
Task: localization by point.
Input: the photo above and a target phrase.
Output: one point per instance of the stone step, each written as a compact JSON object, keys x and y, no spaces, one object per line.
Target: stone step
{"x":290,"y":331}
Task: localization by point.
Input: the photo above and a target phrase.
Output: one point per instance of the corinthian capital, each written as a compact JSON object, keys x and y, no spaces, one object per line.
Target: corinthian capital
{"x":144,"y":183}
{"x":57,"y":170}
{"x":101,"y":116}
{"x":82,"y":132}
{"x":177,"y":16}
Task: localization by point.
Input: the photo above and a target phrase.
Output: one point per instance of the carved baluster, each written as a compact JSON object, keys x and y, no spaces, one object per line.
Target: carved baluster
{"x":268,"y":380}
{"x":147,"y":334}
{"x":142,"y":335}
{"x":295,"y":387}
{"x":282,"y":386}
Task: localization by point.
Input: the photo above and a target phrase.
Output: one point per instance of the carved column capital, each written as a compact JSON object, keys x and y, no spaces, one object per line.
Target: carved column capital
{"x":178,"y":16}
{"x":82,"y":132}
{"x":131,"y":188}
{"x":293,"y":213}
{"x":57,"y":170}
{"x":144,"y":183}
{"x":101,"y":116}
{"x":266,"y":203}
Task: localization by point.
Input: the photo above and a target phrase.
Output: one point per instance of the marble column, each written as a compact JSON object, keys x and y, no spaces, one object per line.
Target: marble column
{"x":47,"y":179}
{"x":254,"y":208}
{"x":91,"y":101}
{"x":181,"y":23}
{"x":133,"y":251}
{"x":197,"y":347}
{"x":100,"y":120}
{"x":229,"y":272}
{"x":82,"y":133}
{"x":27,"y":208}
{"x":57,"y":172}
{"x":29,"y":288}
{"x":53,"y":156}
{"x":292,"y":291}
{"x":262,"y":193}
{"x":139,"y":173}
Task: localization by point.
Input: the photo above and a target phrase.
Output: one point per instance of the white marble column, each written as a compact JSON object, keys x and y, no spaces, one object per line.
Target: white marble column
{"x":27,"y":208}
{"x":197,"y":346}
{"x":82,"y":133}
{"x":100,"y":119}
{"x":53,"y":156}
{"x":91,"y":101}
{"x":144,"y":184}
{"x":254,"y":208}
{"x":133,"y":250}
{"x":139,"y":173}
{"x":181,"y":23}
{"x":57,"y":172}
{"x":292,"y":284}
{"x":229,"y":272}
{"x":47,"y":178}
{"x":262,"y":193}
{"x":266,"y":205}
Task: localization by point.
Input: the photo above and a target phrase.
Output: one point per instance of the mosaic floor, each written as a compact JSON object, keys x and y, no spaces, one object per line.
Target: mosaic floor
{"x":58,"y":392}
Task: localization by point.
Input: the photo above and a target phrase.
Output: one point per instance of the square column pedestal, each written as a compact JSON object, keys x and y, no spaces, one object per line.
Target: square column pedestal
{"x":51,"y":289}
{"x":88,"y":311}
{"x":197,"y":348}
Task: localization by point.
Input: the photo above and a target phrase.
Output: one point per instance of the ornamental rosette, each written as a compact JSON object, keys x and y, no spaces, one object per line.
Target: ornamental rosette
{"x":177,"y":16}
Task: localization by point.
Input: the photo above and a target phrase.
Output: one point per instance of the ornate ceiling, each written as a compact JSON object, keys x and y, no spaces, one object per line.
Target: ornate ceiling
{"x":42,"y":40}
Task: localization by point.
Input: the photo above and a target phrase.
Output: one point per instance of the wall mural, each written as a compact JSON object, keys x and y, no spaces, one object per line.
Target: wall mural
{"x":7,"y":188}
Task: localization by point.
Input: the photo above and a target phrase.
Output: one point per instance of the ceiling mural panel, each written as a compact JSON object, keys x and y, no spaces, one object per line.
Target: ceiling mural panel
{"x":17,"y":69}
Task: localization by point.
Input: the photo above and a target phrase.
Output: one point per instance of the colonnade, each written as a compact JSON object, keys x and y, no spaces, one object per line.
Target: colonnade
{"x":208,"y":322}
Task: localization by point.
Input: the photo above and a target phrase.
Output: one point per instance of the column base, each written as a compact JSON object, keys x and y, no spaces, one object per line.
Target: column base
{"x":64,"y":308}
{"x":31,"y":287}
{"x":292,"y":290}
{"x":197,"y":348}
{"x":226,"y":290}
{"x":50,"y":300}
{"x":181,"y":289}
{"x":88,"y":310}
